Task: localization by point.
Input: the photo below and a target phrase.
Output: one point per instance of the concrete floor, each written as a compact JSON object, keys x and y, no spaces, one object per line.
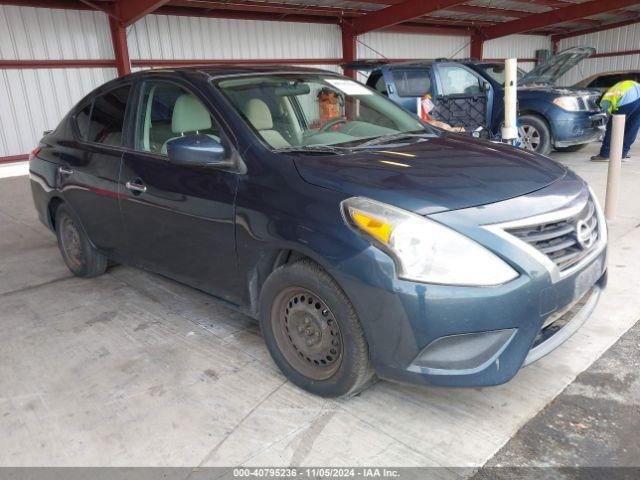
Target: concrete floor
{"x":133,"y":369}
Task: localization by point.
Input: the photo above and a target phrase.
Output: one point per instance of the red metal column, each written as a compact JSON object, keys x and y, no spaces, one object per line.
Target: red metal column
{"x":348,"y":48}
{"x":476,"y":47}
{"x":120,"y":47}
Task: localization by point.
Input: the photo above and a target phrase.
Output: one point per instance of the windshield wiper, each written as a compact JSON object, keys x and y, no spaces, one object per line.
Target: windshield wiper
{"x":313,"y":149}
{"x":392,"y":137}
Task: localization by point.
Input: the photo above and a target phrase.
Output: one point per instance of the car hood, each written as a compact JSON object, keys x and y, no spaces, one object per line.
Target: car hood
{"x":443,"y":173}
{"x":549,"y":71}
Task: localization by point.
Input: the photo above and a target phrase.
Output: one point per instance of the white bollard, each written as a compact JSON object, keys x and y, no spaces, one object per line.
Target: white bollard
{"x":615,"y":162}
{"x":510,"y":130}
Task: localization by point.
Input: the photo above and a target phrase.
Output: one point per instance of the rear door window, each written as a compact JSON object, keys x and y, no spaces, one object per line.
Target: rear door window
{"x":412,"y":82}
{"x":102,"y":119}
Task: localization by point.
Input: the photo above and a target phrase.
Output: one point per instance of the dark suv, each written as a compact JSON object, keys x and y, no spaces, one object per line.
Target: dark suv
{"x":363,"y":240}
{"x":470,"y":94}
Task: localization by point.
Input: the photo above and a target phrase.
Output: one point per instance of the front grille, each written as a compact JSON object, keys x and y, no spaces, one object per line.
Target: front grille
{"x":566,"y":241}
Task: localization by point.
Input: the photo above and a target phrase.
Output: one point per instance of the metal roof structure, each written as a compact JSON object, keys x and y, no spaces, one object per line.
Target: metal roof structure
{"x":481,"y":20}
{"x":488,"y":18}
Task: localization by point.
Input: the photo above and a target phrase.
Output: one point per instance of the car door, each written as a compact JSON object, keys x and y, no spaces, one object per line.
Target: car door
{"x":179,"y":219}
{"x":88,"y":170}
{"x":461,"y":98}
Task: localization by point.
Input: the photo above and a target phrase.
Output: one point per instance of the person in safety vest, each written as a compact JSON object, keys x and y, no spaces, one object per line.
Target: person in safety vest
{"x":622,"y":99}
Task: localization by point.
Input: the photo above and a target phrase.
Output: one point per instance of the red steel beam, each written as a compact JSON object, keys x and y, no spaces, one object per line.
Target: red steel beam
{"x":120,"y":47}
{"x":14,"y":158}
{"x":349,"y":49}
{"x":398,"y":13}
{"x":564,"y":14}
{"x":276,"y":8}
{"x":606,"y":26}
{"x":476,"y":46}
{"x":28,"y":64}
{"x":130,"y":11}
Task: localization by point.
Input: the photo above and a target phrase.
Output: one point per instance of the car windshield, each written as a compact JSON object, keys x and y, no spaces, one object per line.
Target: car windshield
{"x":311,"y":111}
{"x":496,"y":72}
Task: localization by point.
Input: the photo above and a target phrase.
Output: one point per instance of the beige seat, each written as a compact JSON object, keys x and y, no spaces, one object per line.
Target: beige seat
{"x":260,"y":117}
{"x":189,"y":116}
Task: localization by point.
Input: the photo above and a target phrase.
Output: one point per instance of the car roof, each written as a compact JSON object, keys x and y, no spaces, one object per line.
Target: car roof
{"x":225,"y":70}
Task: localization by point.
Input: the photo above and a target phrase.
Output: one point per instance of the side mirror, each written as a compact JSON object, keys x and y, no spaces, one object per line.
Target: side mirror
{"x":198,"y":150}
{"x":486,"y":86}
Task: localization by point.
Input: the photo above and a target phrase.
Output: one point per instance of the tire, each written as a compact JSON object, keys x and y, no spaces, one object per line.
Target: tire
{"x":534,"y":134}
{"x":572,"y":148}
{"x":312,"y":331}
{"x":81,"y":258}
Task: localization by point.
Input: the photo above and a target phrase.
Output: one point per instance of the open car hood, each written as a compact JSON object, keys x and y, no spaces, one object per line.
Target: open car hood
{"x":557,"y":65}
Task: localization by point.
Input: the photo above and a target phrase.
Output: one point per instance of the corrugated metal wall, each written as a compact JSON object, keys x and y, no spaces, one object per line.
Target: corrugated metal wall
{"x":162,"y":37}
{"x":33,"y":100}
{"x":614,"y":40}
{"x":520,"y":46}
{"x":410,"y":45}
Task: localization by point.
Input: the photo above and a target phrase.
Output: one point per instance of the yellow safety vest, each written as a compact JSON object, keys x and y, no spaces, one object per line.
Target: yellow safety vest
{"x":614,"y":94}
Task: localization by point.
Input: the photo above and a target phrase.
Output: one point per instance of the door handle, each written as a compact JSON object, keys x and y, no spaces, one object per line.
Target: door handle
{"x":62,"y":170}
{"x":136,"y":186}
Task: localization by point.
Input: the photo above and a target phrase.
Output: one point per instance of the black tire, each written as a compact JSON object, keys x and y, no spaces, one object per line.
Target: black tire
{"x":81,"y":258}
{"x":535,"y":134}
{"x":324,"y":315}
{"x":572,"y":148}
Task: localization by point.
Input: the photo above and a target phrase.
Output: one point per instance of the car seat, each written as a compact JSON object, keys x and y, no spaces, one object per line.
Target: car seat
{"x":258,"y":113}
{"x":189,"y":116}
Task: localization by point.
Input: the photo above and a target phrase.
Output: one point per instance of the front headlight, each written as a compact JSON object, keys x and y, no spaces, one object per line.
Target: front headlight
{"x":424,"y":250}
{"x":570,"y":104}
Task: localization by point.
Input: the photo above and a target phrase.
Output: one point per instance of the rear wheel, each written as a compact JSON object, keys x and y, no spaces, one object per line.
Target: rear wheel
{"x":77,"y":252}
{"x":534,"y":134}
{"x":313,"y":332}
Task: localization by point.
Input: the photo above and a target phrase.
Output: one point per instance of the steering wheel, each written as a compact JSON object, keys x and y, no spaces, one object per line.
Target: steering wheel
{"x":331,"y":123}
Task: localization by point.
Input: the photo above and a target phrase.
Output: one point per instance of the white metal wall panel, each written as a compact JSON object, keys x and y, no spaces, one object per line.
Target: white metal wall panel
{"x":518,"y":46}
{"x":162,"y":37}
{"x":53,"y":34}
{"x":613,"y":40}
{"x":34,"y":100}
{"x":410,"y":45}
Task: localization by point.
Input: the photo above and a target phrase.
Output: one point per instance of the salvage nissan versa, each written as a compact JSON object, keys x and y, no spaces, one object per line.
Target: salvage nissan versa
{"x":365,"y":242}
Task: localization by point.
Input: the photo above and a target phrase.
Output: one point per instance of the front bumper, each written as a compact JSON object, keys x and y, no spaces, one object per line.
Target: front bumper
{"x":475,"y":336}
{"x":577,"y":128}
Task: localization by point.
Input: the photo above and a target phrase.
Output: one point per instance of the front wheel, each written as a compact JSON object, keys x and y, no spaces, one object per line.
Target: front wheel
{"x":535,"y":134}
{"x":312,"y":331}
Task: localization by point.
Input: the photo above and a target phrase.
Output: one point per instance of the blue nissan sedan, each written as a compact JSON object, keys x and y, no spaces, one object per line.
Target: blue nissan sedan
{"x":365,"y":242}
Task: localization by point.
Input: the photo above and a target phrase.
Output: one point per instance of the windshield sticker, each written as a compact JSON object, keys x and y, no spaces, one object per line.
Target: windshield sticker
{"x":348,"y":86}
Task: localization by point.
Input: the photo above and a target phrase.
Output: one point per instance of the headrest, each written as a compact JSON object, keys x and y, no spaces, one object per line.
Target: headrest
{"x":189,"y":115}
{"x":258,"y":114}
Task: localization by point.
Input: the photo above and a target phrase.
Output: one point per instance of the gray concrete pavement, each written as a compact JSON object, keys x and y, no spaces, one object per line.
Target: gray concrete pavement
{"x":133,"y":369}
{"x":594,"y":422}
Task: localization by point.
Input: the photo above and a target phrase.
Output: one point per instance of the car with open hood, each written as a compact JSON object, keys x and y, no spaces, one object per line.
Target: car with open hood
{"x":470,"y":94}
{"x":365,"y":242}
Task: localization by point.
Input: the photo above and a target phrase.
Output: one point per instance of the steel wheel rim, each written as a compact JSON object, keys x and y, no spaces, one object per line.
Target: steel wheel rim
{"x":71,"y":242}
{"x":307,"y":333}
{"x":530,"y":137}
